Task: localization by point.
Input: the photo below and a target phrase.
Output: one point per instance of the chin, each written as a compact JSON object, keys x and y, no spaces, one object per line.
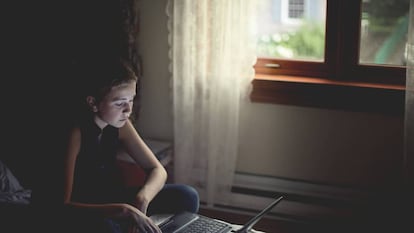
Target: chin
{"x":118,"y":124}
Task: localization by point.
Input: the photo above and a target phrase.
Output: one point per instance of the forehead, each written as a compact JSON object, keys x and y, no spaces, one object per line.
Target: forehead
{"x":124,"y":90}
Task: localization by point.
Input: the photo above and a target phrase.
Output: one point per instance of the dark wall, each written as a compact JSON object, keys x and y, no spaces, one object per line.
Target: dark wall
{"x":46,"y":45}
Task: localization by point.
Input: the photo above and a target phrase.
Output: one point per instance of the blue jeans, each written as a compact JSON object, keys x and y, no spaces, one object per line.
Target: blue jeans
{"x":174,"y":198}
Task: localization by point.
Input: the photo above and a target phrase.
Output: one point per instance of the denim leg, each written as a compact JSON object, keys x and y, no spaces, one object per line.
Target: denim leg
{"x":175,"y":198}
{"x":114,"y":227}
{"x":85,"y":223}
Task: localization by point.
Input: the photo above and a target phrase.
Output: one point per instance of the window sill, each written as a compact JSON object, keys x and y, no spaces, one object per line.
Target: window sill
{"x":329,"y":94}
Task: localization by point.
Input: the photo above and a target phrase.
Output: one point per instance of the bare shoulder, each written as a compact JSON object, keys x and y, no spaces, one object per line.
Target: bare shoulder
{"x":73,"y":145}
{"x":127,"y":131}
{"x":75,"y":131}
{"x":74,"y":136}
{"x":129,"y":135}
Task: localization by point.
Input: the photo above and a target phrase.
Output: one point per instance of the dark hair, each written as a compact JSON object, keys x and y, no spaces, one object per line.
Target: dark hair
{"x":103,"y":78}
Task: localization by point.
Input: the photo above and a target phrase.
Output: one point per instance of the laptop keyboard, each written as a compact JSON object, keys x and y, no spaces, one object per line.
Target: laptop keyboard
{"x":206,"y":225}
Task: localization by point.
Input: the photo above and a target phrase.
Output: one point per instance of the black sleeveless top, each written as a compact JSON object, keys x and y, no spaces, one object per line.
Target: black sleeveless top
{"x":97,"y":177}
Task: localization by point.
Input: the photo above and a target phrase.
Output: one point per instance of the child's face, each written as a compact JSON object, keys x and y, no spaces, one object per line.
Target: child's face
{"x":115,"y":108}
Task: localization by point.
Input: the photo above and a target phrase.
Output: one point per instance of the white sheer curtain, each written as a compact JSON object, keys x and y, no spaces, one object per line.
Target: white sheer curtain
{"x":212,"y":55}
{"x":409,"y":105}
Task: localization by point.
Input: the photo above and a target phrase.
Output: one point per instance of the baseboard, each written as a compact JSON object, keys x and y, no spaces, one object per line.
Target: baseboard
{"x":298,"y":188}
{"x":304,"y":201}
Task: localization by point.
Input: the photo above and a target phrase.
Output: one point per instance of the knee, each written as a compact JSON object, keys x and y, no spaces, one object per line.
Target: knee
{"x":175,"y":198}
{"x":190,"y":198}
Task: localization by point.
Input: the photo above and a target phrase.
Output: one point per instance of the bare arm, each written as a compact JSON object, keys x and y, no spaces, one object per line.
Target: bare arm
{"x":139,"y":151}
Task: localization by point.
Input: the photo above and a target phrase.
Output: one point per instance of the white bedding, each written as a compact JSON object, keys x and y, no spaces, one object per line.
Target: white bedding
{"x":11,"y":191}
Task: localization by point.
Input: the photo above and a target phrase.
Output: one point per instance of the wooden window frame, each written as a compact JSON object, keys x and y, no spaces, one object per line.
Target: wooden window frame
{"x":339,"y":82}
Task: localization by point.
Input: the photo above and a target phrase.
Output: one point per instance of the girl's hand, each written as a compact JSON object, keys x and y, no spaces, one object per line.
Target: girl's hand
{"x":141,"y":223}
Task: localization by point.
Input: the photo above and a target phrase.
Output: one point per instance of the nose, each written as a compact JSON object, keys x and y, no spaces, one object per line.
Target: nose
{"x":128,"y":107}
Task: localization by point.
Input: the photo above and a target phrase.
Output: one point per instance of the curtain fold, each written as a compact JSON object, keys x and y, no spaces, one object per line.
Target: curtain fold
{"x":130,"y":14}
{"x":212,"y":53}
{"x":409,"y":105}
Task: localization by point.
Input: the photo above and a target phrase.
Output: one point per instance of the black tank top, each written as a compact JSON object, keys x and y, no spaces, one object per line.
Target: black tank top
{"x":97,"y":177}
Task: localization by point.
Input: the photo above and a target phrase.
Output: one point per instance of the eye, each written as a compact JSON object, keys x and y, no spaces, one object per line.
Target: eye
{"x":123,"y":102}
{"x":119,"y":103}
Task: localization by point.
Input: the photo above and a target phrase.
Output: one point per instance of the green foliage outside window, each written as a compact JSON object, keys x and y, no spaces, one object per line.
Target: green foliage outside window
{"x":307,"y":42}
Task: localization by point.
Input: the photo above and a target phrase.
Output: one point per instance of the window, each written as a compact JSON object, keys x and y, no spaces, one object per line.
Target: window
{"x":326,"y":53}
{"x":296,"y":9}
{"x":299,"y":33}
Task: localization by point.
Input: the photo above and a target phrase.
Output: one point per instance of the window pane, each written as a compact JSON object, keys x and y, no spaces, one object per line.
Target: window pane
{"x":384,"y":26}
{"x":291,"y":29}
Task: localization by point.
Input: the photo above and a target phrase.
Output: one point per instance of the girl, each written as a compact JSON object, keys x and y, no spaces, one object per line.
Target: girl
{"x":93,"y":191}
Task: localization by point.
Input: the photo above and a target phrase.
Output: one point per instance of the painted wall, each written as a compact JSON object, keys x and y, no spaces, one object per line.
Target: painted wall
{"x":315,"y":145}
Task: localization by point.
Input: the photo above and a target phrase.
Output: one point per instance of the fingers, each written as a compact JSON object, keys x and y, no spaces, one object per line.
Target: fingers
{"x":147,"y":226}
{"x":140,"y":223}
{"x":152,"y":227}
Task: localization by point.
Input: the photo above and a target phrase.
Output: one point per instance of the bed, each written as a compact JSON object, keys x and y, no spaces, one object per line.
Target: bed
{"x":16,"y":211}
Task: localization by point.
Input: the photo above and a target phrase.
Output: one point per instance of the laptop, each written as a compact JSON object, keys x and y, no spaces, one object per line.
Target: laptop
{"x":195,"y":223}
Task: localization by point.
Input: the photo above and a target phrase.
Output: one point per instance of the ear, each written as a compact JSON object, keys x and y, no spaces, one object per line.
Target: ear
{"x":91,"y":101}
